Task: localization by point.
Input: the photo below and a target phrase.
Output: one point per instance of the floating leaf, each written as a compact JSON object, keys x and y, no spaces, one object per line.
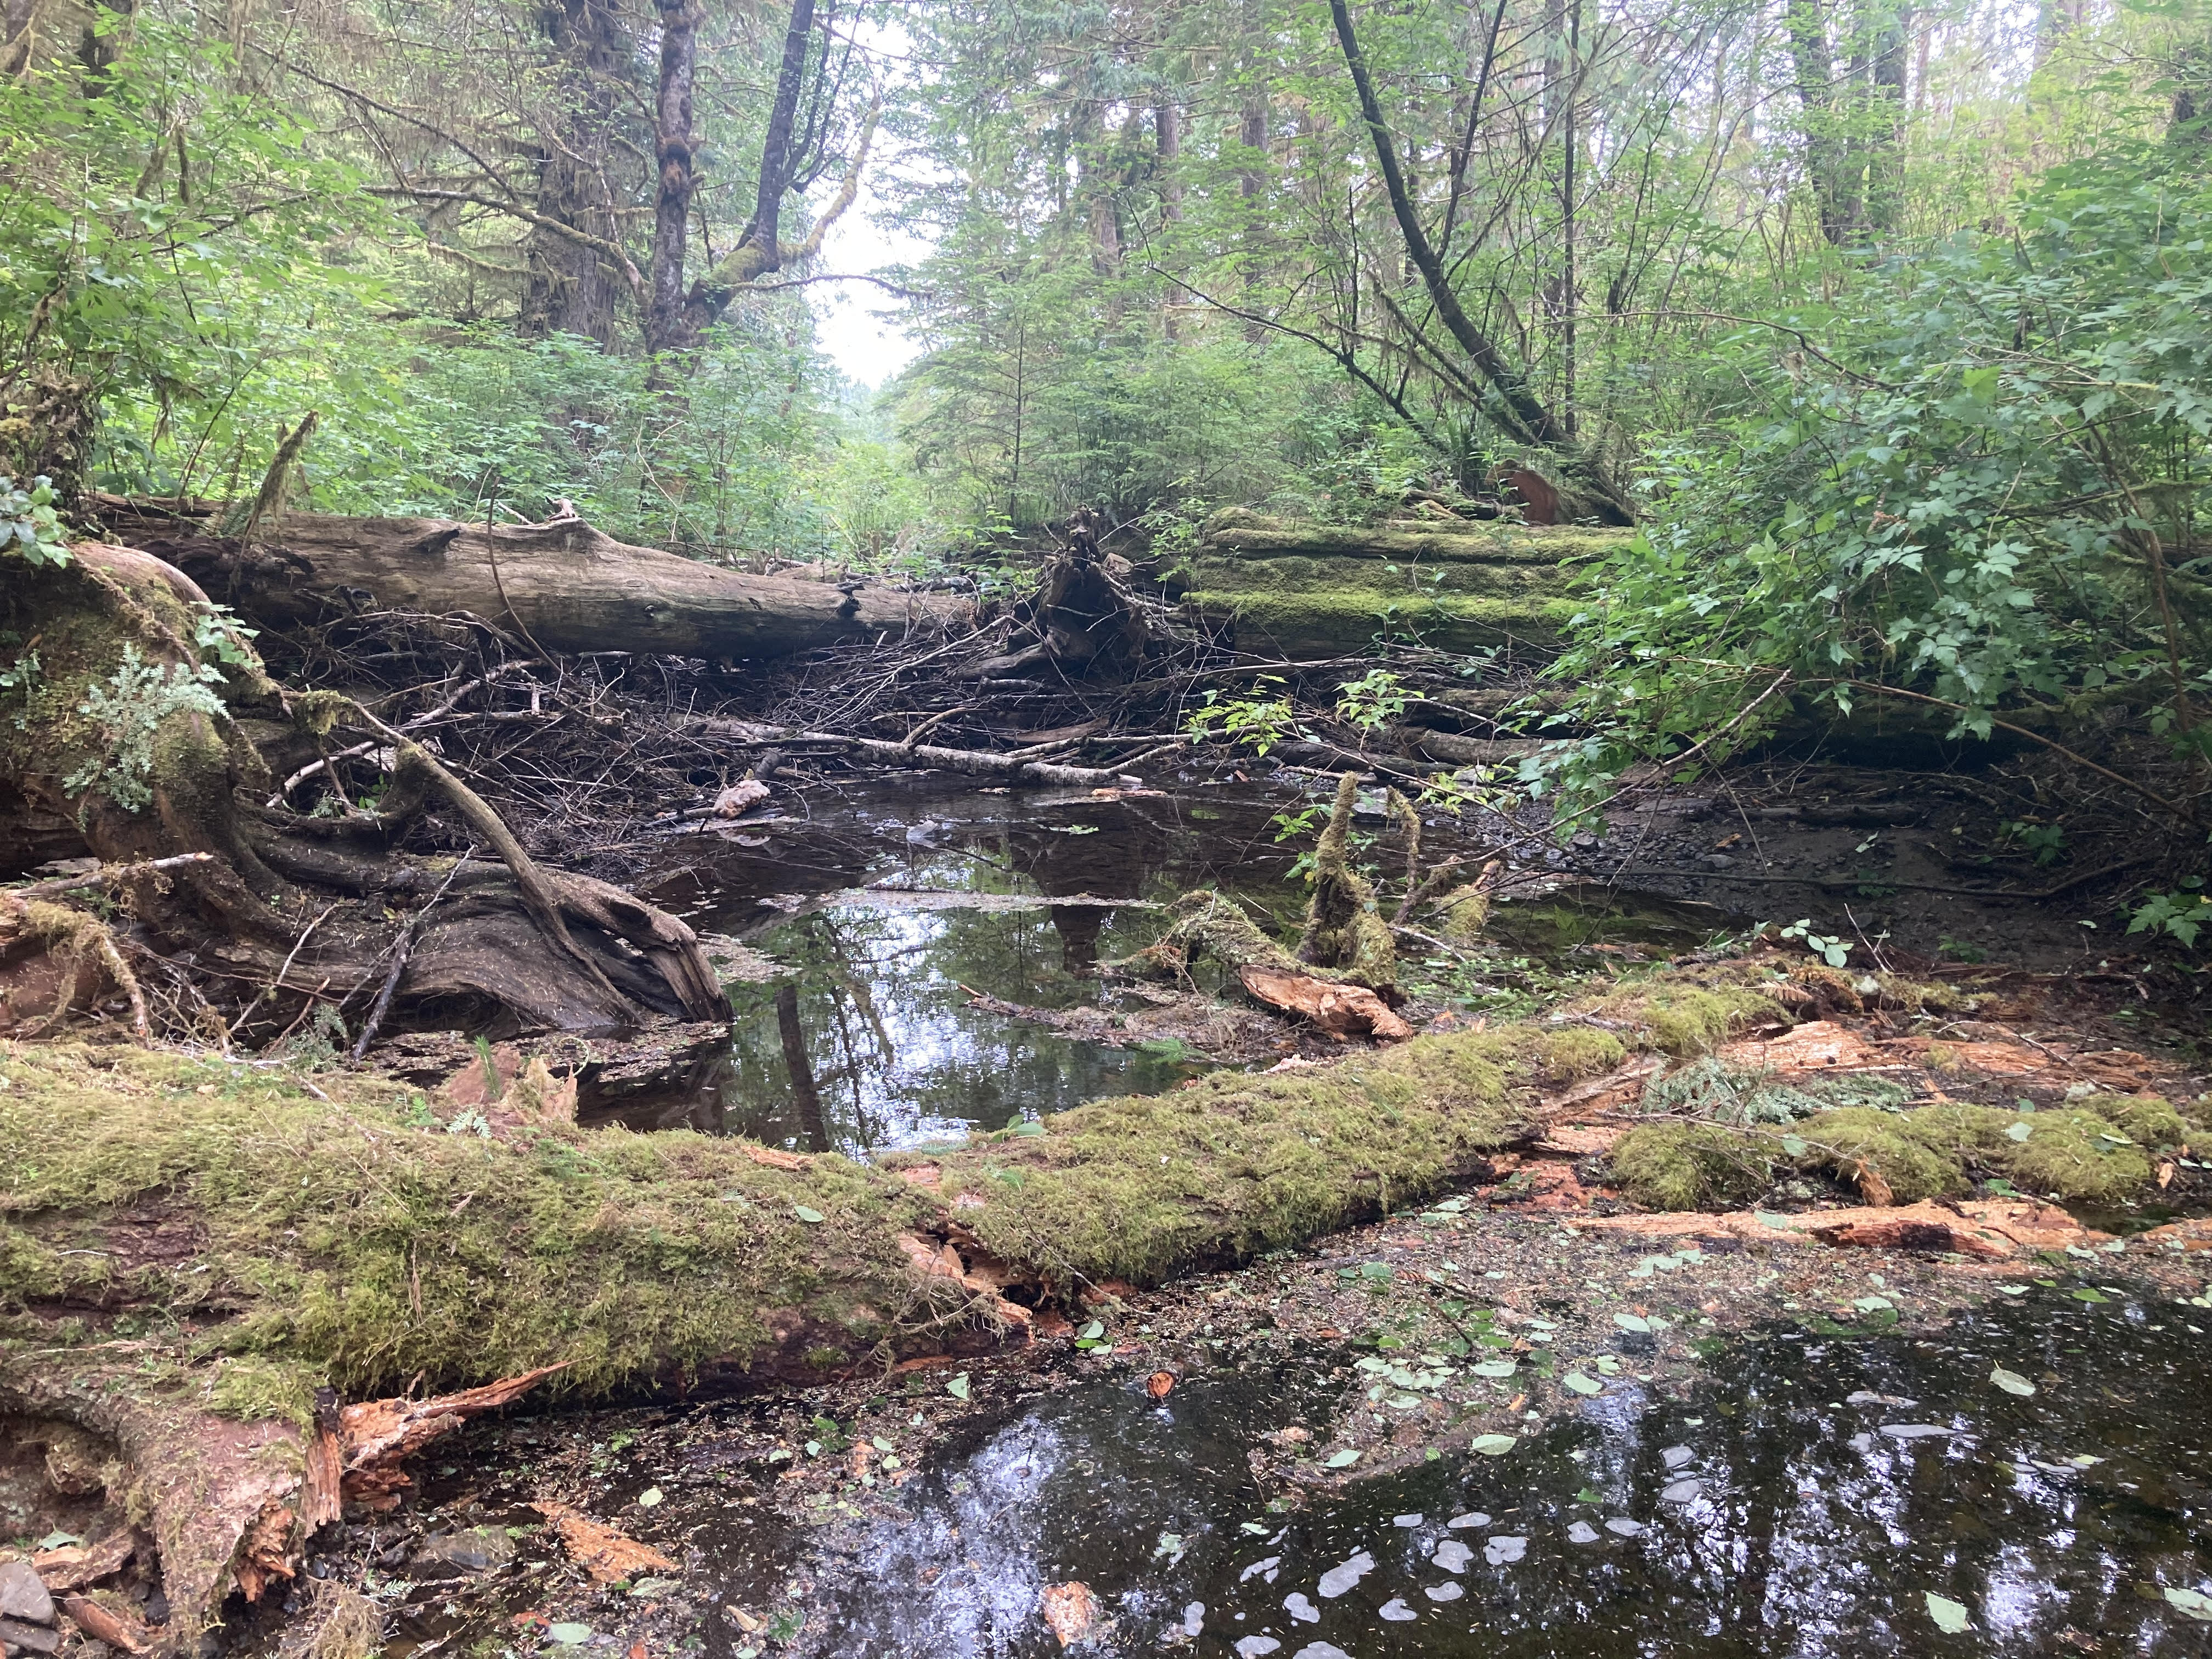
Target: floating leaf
{"x":1589,"y":1495}
{"x":2012,"y":1381}
{"x":2191,"y":1602}
{"x":957,"y":1388}
{"x":648,"y":1497}
{"x":805,"y":1214}
{"x":1341,"y":1460}
{"x":568,"y":1635}
{"x":2083,"y":1294}
{"x":1093,"y":1331}
{"x":1495,"y":1368}
{"x":1628,"y":1321}
{"x":1581,"y":1384}
{"x":1493,"y":1445}
{"x":1950,"y":1616}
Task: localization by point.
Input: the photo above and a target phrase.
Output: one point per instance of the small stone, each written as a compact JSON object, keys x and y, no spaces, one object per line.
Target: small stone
{"x":1582,"y":1533}
{"x":1625,"y":1527}
{"x":24,"y":1595}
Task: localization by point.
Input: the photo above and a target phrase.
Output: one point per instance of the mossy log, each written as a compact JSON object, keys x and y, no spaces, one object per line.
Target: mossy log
{"x":2098,"y":1150}
{"x":561,"y":586}
{"x":1324,"y":590}
{"x":207,"y":1244}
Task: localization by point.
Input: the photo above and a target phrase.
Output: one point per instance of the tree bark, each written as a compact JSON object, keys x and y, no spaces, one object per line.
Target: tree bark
{"x":567,"y":290}
{"x":561,"y":586}
{"x":1826,"y":158}
{"x":673,"y":153}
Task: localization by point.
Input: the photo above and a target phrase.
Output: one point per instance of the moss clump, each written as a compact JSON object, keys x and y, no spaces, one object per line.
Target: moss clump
{"x":1463,"y":913}
{"x":1848,"y":1141}
{"x":1684,"y":1164}
{"x":1142,"y":1187}
{"x":2150,"y":1121}
{"x":1690,"y":1018}
{"x":2067,"y":1152}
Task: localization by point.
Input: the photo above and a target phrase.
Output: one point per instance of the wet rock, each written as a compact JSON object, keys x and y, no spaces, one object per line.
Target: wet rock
{"x":21,"y":1638}
{"x":1674,"y":1456}
{"x":479,"y":1549}
{"x":1621,"y":1526}
{"x":24,"y":1595}
{"x":1681,"y":1491}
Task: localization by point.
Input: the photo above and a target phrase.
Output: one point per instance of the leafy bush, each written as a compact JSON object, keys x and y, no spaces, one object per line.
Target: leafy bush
{"x":1985,"y":487}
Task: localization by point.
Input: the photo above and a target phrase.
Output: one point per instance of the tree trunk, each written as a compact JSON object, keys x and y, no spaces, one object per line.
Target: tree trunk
{"x":567,"y":290}
{"x":1826,"y":156}
{"x":561,"y":586}
{"x":673,"y":153}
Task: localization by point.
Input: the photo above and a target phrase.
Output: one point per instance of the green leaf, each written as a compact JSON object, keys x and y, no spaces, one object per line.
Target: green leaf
{"x":2018,"y":1130}
{"x":1340,"y":1460}
{"x":1589,"y":1495}
{"x":1583,"y":1385}
{"x":1495,"y":1368}
{"x":1950,"y":1616}
{"x":805,"y":1214}
{"x":2012,"y":1381}
{"x":650,"y":1496}
{"x":1493,"y":1445}
{"x":1628,"y":1321}
{"x":2192,"y":1603}
{"x":957,"y":1388}
{"x":2083,"y":1294}
{"x":1094,"y":1330}
{"x":568,"y":1635}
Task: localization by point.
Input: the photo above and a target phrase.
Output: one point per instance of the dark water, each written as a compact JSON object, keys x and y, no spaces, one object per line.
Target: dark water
{"x":883,"y":912}
{"x":1807,"y":1502}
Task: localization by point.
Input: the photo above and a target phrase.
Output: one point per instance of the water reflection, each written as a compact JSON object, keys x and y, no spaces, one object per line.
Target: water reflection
{"x":871,"y":1041}
{"x":1767,"y":1515}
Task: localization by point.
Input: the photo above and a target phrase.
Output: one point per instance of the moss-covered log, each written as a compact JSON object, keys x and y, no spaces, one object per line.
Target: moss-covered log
{"x":200,"y":1241}
{"x":2098,"y":1150}
{"x":1324,"y":590}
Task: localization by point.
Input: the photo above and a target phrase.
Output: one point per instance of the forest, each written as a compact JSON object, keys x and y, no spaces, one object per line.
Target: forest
{"x":928,"y":830}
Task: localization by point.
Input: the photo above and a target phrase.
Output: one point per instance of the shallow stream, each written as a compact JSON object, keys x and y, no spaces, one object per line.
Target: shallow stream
{"x":875,"y":924}
{"x":1814,"y":1496}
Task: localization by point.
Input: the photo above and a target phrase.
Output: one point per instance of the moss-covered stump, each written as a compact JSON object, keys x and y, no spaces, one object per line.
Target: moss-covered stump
{"x":1310,"y":589}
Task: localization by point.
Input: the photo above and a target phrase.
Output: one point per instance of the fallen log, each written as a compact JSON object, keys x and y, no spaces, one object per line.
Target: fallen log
{"x":975,"y":762}
{"x":563,"y":587}
{"x":193,"y":1250}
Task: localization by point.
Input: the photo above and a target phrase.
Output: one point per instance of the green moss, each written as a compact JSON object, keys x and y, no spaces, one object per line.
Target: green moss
{"x":2150,"y":1121}
{"x":1690,"y":1018}
{"x":1913,"y":1166}
{"x":1684,"y":1164}
{"x":1141,"y":1187}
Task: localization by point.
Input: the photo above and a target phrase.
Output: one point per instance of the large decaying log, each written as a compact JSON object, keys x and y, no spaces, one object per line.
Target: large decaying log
{"x":563,"y":586}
